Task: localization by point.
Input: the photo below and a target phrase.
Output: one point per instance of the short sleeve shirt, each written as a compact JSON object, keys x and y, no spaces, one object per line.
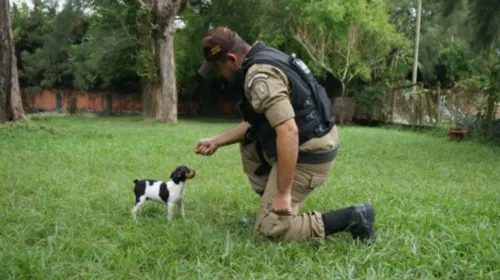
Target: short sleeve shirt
{"x":268,"y":90}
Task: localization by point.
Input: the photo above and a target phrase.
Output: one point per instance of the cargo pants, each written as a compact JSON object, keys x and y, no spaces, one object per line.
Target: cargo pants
{"x":294,"y":227}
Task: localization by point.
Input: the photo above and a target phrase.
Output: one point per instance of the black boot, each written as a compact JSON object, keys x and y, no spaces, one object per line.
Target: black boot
{"x":357,"y":220}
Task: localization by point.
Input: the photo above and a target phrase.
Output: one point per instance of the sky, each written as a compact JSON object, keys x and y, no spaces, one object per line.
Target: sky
{"x":20,"y":1}
{"x":30,"y":4}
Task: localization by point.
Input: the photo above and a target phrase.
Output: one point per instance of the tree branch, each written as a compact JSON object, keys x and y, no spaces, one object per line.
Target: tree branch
{"x":352,"y":76}
{"x":128,"y":34}
{"x":141,"y":4}
{"x":347,"y":60}
{"x":180,"y":6}
{"x":300,"y":35}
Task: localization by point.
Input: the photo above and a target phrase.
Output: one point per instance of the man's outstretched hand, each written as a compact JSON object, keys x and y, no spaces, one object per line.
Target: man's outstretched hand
{"x":206,"y":146}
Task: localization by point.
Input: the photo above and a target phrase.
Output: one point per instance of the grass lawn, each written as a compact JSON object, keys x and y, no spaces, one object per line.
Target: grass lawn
{"x":66,"y":194}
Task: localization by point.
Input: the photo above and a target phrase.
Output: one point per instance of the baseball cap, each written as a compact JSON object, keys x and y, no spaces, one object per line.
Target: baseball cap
{"x":218,"y":42}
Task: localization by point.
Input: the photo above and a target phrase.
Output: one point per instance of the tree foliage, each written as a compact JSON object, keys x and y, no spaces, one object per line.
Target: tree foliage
{"x":483,"y":16}
{"x":346,"y":39}
{"x":109,"y":58}
{"x":360,"y":48}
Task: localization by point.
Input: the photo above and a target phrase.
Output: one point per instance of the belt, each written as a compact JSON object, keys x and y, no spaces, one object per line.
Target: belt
{"x":302,"y":158}
{"x":317,"y":157}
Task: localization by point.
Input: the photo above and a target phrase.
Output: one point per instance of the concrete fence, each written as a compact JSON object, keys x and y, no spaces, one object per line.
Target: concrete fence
{"x":53,"y":100}
{"x":97,"y":102}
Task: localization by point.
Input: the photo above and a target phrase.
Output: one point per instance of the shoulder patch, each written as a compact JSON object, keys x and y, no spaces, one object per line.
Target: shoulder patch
{"x":260,"y":88}
{"x":256,"y":76}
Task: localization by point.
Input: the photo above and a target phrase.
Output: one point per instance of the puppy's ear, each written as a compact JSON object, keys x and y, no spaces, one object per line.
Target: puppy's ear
{"x":176,"y":176}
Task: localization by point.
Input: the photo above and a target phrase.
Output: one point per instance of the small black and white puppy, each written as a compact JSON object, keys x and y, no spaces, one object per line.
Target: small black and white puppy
{"x":169,"y":193}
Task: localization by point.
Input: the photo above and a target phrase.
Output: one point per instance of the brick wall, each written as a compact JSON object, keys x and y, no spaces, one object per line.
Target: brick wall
{"x":48,"y":100}
{"x":52,"y":100}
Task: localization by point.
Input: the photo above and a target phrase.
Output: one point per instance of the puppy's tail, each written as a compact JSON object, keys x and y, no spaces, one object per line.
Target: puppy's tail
{"x":135,"y":181}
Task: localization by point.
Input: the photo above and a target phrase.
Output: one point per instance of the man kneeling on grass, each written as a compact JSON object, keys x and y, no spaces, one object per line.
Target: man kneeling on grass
{"x":288,"y":140}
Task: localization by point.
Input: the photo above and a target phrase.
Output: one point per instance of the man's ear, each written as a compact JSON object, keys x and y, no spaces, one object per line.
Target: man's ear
{"x":232,"y":58}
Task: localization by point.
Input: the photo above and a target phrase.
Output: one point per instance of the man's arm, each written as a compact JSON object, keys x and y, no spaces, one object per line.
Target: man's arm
{"x":208,"y":146}
{"x":287,"y":149}
{"x":267,"y":91}
{"x":234,"y":135}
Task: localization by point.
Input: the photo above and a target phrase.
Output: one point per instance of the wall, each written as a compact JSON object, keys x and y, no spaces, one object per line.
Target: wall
{"x":47,"y":100}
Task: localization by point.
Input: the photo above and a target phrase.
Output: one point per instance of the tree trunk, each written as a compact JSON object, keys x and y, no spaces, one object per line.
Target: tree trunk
{"x":151,"y":99}
{"x":161,"y":97}
{"x":490,"y":115}
{"x":165,"y":11}
{"x":11,"y":106}
{"x":430,"y":113}
{"x":439,"y":104}
{"x":151,"y":90}
{"x":342,"y":106}
{"x":164,"y":46}
{"x":393,"y":106}
{"x":414,"y":117}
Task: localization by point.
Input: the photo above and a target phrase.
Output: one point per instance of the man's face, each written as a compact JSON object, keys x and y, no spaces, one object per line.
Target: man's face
{"x":228,"y":68}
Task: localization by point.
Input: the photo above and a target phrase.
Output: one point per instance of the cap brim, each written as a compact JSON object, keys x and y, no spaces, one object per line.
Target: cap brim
{"x":206,"y":68}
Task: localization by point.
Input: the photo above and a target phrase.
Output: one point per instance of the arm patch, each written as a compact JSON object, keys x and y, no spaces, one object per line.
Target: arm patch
{"x":260,"y":89}
{"x":256,"y":76}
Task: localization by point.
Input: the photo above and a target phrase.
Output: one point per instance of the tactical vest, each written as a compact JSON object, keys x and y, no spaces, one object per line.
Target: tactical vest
{"x":312,"y":107}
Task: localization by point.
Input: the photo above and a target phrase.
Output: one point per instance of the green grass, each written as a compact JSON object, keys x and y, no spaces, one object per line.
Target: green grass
{"x":66,"y":194}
